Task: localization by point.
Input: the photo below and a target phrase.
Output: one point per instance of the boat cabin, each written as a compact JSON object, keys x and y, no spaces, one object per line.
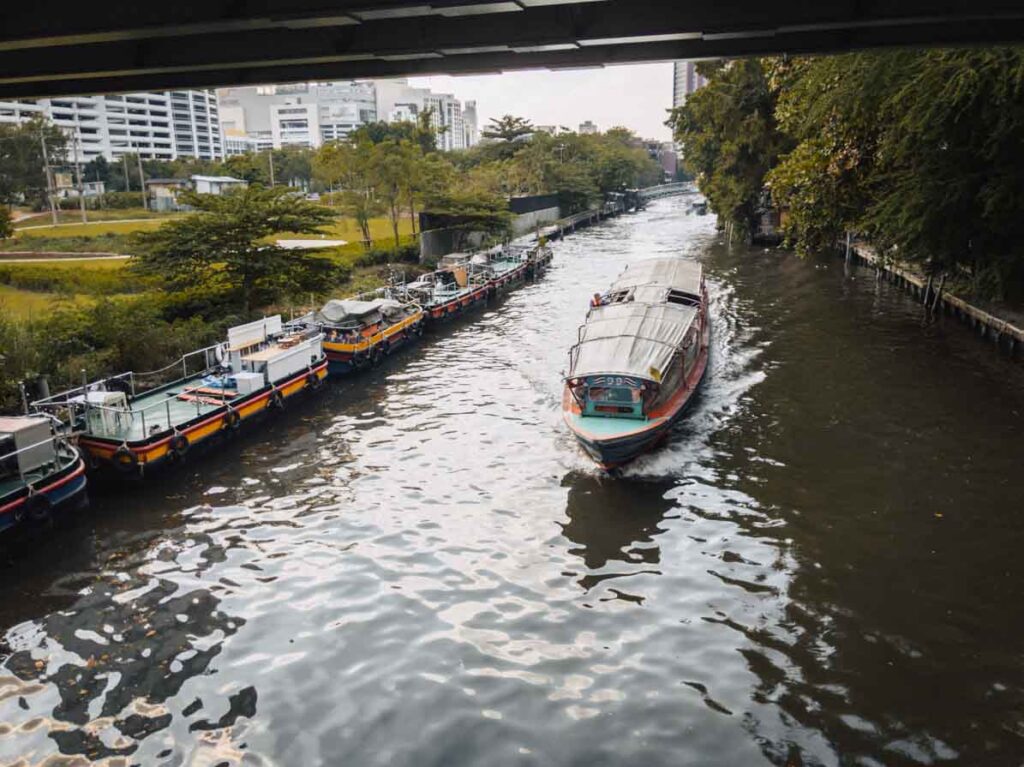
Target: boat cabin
{"x":26,"y":445}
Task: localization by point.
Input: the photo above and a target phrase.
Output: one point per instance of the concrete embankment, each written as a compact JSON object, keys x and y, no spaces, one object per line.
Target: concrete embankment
{"x":1003,"y":332}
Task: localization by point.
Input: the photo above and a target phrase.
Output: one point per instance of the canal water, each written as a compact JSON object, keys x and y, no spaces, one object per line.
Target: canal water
{"x":421,"y":568}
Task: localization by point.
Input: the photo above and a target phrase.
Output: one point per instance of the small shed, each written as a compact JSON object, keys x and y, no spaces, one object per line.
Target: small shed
{"x":217,"y":184}
{"x":163,"y":192}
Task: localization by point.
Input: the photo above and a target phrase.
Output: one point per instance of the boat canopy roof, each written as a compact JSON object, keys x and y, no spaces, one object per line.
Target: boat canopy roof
{"x":631,"y":339}
{"x":671,"y":273}
{"x":643,"y":322}
{"x":340,"y":312}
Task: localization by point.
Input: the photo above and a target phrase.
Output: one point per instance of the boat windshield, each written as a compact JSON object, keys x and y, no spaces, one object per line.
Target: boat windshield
{"x":614,"y":401}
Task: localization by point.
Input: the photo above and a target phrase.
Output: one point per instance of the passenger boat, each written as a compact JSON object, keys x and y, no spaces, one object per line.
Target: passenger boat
{"x":640,"y":357}
{"x":129,"y":424}
{"x":41,"y":472}
{"x":454,"y":288}
{"x":361,"y":331}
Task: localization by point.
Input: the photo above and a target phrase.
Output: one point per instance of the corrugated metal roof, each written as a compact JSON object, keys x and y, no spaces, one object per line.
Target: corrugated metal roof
{"x":673,"y":273}
{"x":639,"y":336}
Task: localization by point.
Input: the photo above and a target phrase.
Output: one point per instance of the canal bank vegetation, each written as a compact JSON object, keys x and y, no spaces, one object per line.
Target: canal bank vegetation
{"x":919,"y":152}
{"x":193,"y":274}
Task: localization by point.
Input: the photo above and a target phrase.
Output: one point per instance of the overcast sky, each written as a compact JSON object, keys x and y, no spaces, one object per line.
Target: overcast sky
{"x":635,"y":96}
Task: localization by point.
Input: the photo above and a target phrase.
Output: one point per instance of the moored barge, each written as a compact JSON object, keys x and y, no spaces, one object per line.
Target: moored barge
{"x":41,"y":472}
{"x":121,"y":423}
{"x":360,"y":332}
{"x":640,"y":357}
{"x":449,"y":291}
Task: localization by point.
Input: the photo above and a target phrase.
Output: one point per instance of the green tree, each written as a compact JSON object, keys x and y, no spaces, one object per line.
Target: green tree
{"x":225,"y":243}
{"x":21,"y":159}
{"x":6,"y":225}
{"x":830,"y":106}
{"x":348,"y":167}
{"x":947,"y":188}
{"x":252,"y":167}
{"x":507,"y":128}
{"x":466,"y":211}
{"x":730,"y":137}
{"x":391,"y":165}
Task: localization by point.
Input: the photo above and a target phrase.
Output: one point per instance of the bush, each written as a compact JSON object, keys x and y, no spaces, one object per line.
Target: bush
{"x":99,"y":243}
{"x":408,"y":253}
{"x":58,"y":278}
{"x":121,"y":200}
{"x":112,"y":200}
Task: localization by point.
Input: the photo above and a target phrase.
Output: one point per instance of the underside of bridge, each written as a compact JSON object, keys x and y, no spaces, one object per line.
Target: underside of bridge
{"x":126,"y":45}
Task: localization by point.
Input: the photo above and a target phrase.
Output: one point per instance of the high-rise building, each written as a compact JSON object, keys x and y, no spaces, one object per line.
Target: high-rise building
{"x":470,"y":124}
{"x":196,"y":125}
{"x":398,"y":101}
{"x":309,"y":114}
{"x":685,"y":80}
{"x":158,"y":125}
{"x":586,"y":128}
{"x":303,"y":114}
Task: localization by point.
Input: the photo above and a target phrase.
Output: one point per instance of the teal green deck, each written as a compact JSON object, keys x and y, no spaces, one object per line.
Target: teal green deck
{"x":155,"y":406}
{"x":609,"y":428}
{"x":33,"y":477}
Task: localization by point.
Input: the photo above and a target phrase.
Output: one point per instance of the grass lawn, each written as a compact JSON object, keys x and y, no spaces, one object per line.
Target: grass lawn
{"x":92,"y":229}
{"x":25,"y":304}
{"x":380,"y":229}
{"x":107,"y":214}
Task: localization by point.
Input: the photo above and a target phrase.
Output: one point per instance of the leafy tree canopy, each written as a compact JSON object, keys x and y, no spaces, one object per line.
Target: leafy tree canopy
{"x":507,"y":128}
{"x":224,"y":244}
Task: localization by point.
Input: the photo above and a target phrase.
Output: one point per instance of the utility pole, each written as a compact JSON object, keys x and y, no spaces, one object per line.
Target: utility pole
{"x":270,"y":154}
{"x":78,"y":172}
{"x":142,"y":180}
{"x":49,"y":176}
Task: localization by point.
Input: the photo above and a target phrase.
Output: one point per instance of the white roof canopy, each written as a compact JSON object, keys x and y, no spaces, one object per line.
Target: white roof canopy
{"x":639,"y":336}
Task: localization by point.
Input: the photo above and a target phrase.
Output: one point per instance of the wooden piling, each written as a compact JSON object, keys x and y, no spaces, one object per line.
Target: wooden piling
{"x":975,"y":318}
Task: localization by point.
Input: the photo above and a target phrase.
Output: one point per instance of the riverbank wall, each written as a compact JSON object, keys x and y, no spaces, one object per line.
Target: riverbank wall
{"x":1006,"y":334}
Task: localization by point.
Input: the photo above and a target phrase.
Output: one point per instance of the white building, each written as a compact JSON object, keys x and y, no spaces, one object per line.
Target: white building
{"x":397,"y":101}
{"x":310,"y":114}
{"x":470,"y":124}
{"x":196,"y":125}
{"x":236,"y":142}
{"x":587,"y":128}
{"x":216,"y":184}
{"x":303,"y":114}
{"x":158,"y":125}
{"x":295,"y":124}
{"x":685,"y":81}
{"x":446,"y":119}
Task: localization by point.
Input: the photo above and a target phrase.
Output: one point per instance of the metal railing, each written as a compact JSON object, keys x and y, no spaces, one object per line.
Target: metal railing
{"x":56,"y":440}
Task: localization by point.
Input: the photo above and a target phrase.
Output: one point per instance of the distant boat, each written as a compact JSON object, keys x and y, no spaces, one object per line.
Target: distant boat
{"x":449,"y":291}
{"x":360,"y":332}
{"x":504,"y":267}
{"x":41,"y":472}
{"x":640,"y":357}
{"x":133,"y":423}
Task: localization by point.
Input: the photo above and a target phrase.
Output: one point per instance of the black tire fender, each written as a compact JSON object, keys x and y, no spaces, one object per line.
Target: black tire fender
{"x":124,"y":459}
{"x":313,"y":381}
{"x":37,"y":508}
{"x":276,"y":400}
{"x":179,"y":445}
{"x":231,"y":419}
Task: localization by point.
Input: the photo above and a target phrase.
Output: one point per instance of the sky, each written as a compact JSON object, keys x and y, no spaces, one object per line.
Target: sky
{"x":635,"y":96}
